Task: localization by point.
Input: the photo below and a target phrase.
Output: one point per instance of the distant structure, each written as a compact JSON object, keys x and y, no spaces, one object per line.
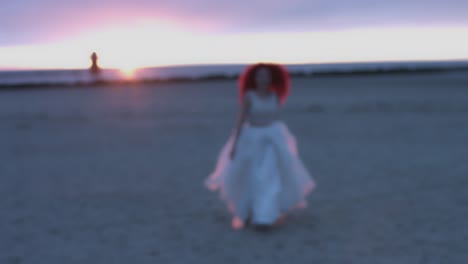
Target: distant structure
{"x":94,"y":65}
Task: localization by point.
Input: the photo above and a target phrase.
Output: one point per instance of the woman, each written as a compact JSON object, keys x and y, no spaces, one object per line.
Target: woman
{"x":259,"y":172}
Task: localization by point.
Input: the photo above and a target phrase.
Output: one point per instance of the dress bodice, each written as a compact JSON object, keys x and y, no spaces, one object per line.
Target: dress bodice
{"x":263,"y":110}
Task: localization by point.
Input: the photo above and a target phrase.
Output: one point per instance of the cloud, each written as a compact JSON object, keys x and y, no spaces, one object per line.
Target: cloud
{"x":32,"y":21}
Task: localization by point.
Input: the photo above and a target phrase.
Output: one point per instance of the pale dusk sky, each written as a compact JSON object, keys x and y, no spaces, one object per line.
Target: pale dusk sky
{"x":140,"y":33}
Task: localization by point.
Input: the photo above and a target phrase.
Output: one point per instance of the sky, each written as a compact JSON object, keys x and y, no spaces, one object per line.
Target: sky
{"x":142,"y":33}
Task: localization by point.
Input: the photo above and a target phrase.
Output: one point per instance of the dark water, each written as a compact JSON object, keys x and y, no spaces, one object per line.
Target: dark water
{"x":83,"y":76}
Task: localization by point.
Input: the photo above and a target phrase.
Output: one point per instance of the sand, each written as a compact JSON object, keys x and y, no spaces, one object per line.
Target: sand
{"x":114,"y":175}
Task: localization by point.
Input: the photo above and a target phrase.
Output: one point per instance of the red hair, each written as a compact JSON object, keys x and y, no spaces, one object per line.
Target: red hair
{"x":280,"y":81}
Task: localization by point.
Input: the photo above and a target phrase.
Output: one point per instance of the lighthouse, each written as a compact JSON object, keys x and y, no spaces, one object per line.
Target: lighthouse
{"x":94,"y":65}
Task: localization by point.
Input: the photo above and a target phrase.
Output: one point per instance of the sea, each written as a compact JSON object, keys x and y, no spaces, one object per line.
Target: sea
{"x":70,"y":77}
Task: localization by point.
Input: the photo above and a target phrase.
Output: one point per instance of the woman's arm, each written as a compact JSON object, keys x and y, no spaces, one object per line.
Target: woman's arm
{"x":240,"y":121}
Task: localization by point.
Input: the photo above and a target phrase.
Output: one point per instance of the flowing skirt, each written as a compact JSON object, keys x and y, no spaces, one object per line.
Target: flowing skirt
{"x":266,"y":178}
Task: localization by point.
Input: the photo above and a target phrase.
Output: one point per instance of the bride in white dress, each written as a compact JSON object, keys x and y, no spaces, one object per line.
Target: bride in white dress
{"x":259,"y":173}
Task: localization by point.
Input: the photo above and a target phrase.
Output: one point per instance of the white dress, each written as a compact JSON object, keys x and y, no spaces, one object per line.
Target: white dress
{"x":266,"y":178}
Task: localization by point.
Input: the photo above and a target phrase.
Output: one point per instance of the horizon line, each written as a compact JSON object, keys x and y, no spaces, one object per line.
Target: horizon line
{"x":454,"y":60}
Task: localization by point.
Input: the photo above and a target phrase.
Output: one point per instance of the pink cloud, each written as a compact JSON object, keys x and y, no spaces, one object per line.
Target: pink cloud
{"x":32,"y":21}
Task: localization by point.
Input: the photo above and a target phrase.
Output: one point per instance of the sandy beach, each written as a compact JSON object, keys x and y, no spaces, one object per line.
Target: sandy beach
{"x":115,"y":174}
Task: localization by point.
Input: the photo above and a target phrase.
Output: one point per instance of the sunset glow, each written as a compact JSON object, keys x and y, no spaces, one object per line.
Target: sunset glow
{"x":51,"y":34}
{"x":128,"y":73}
{"x":153,"y":44}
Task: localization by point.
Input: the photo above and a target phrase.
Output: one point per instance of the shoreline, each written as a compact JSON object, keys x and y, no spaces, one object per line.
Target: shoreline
{"x":220,"y":77}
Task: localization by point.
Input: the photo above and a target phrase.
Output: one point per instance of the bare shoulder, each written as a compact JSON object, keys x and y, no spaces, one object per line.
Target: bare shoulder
{"x":277,"y":98}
